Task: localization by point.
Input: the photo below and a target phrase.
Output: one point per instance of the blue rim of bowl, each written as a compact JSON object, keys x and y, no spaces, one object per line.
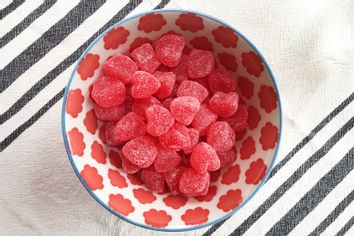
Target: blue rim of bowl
{"x":77,"y":171}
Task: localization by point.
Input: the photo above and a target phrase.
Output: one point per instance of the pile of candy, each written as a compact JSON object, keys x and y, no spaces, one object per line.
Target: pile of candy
{"x":173,"y":115}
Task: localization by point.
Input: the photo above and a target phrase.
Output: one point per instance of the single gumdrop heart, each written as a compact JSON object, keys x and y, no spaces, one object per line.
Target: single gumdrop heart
{"x":204,"y":158}
{"x":144,"y":84}
{"x":139,"y":105}
{"x":107,"y":92}
{"x":184,"y":109}
{"x":192,"y":183}
{"x":203,"y":119}
{"x":166,"y":159}
{"x":221,"y":80}
{"x":145,"y":58}
{"x":224,"y":104}
{"x":200,"y":63}
{"x":159,"y":120}
{"x":169,"y":49}
{"x":129,"y":127}
{"x":194,"y":89}
{"x":221,"y":136}
{"x":120,"y":67}
{"x":167,"y":81}
{"x":176,"y":138}
{"x":110,"y":114}
{"x":153,"y":180}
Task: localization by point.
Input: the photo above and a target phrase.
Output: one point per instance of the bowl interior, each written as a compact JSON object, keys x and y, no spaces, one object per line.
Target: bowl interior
{"x":99,"y":166}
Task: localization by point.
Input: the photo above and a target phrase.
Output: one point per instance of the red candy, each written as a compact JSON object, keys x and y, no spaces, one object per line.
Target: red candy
{"x":169,"y":49}
{"x":200,"y":63}
{"x":194,"y":89}
{"x":144,"y":84}
{"x":166,"y":104}
{"x":140,"y":151}
{"x":194,"y":135}
{"x":203,"y":119}
{"x":159,"y":120}
{"x":167,"y":81}
{"x":176,"y":138}
{"x":139,"y":105}
{"x":193,"y":183}
{"x":111,"y":113}
{"x":145,"y":58}
{"x":204,"y":158}
{"x":153,"y":180}
{"x":166,"y":159}
{"x":110,"y":137}
{"x":205,"y":190}
{"x":129,"y":127}
{"x":221,"y":136}
{"x":120,"y":67}
{"x":129,"y":167}
{"x":107,"y":92}
{"x":221,"y":80}
{"x":239,"y":120}
{"x":172,"y":178}
{"x":184,"y":109}
{"x":227,"y":158}
{"x":224,"y":104}
{"x":181,"y":69}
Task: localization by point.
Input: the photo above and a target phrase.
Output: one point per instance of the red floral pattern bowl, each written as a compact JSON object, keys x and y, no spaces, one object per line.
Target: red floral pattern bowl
{"x":99,"y":167}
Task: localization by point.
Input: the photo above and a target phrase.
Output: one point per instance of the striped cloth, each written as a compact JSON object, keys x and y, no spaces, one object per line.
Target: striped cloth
{"x":309,"y":45}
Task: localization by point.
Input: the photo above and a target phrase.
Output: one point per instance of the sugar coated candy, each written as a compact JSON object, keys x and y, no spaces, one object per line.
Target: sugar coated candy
{"x":159,"y":120}
{"x":139,"y":105}
{"x":110,"y":113}
{"x":176,"y":138}
{"x":238,"y":121}
{"x":153,"y":180}
{"x":129,"y":127}
{"x":172,"y":178}
{"x":200,"y":63}
{"x":120,"y":67}
{"x":221,"y":136}
{"x":129,"y":167}
{"x":224,"y":104}
{"x":166,"y":159}
{"x":145,"y":58}
{"x":181,"y":69}
{"x":107,"y":92}
{"x":204,"y":158}
{"x":221,"y":80}
{"x":203,"y":118}
{"x":144,"y":84}
{"x":184,"y":109}
{"x":167,"y":81}
{"x":110,"y":138}
{"x":169,"y":49}
{"x":194,"y":135}
{"x":194,"y":89}
{"x":227,"y":158}
{"x":193,"y":183}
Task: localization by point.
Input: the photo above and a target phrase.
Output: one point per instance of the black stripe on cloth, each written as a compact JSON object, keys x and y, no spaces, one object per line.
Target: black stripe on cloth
{"x":120,"y":15}
{"x":51,"y":38}
{"x":346,"y":227}
{"x":333,"y":215}
{"x":297,"y":148}
{"x":314,"y":196}
{"x":162,"y":4}
{"x":294,"y":178}
{"x":26,"y":22}
{"x":11,"y":7}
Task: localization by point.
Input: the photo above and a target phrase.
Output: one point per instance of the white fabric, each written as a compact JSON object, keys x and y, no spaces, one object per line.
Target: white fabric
{"x":308,"y":45}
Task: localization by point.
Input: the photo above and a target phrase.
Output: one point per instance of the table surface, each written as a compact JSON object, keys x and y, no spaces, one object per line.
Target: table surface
{"x":309,"y":46}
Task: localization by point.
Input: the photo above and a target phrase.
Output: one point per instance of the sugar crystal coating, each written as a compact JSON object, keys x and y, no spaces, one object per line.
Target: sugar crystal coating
{"x":144,"y":84}
{"x":192,"y":183}
{"x":203,"y":118}
{"x":153,"y":179}
{"x":110,"y":138}
{"x":205,"y":190}
{"x":184,"y":109}
{"x":169,"y":49}
{"x":129,"y":167}
{"x":173,"y":177}
{"x":204,"y":158}
{"x":227,"y":158}
{"x":221,"y":80}
{"x":120,"y":67}
{"x":159,"y":120}
{"x":238,"y":121}
{"x":194,"y":135}
{"x":107,"y":92}
{"x":145,"y":58}
{"x":140,"y":151}
{"x":200,"y":63}
{"x":139,"y":105}
{"x":166,"y":159}
{"x":224,"y":104}
{"x":129,"y":127}
{"x":181,"y":69}
{"x":176,"y":138}
{"x":111,"y":113}
{"x":194,"y":89}
{"x":167,"y":81}
{"x":221,"y":136}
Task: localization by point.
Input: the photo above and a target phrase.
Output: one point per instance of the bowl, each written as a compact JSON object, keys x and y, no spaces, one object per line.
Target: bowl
{"x":99,"y":167}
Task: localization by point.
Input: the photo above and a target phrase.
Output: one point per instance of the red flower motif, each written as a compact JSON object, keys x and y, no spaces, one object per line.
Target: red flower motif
{"x":269,"y":136}
{"x":195,"y":217}
{"x":138,"y":42}
{"x":134,"y":179}
{"x":202,"y":43}
{"x":74,"y":102}
{"x":117,"y":179}
{"x":76,"y":141}
{"x":91,"y":177}
{"x":253,"y":63}
{"x":225,"y":36}
{"x":115,"y":37}
{"x":248,"y":148}
{"x":253,"y":117}
{"x":231,"y":175}
{"x":151,"y":22}
{"x":115,"y":159}
{"x":190,"y":22}
{"x":120,"y":204}
{"x":240,"y":135}
{"x":246,"y":86}
{"x":157,"y":218}
{"x":228,"y":61}
{"x":102,"y":133}
{"x":231,"y":200}
{"x":90,"y":122}
{"x":175,"y":201}
{"x":88,"y":65}
{"x":214,"y":176}
{"x":144,"y":196}
{"x":210,"y":195}
{"x":268,"y":98}
{"x":256,"y":172}
{"x":98,"y":153}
